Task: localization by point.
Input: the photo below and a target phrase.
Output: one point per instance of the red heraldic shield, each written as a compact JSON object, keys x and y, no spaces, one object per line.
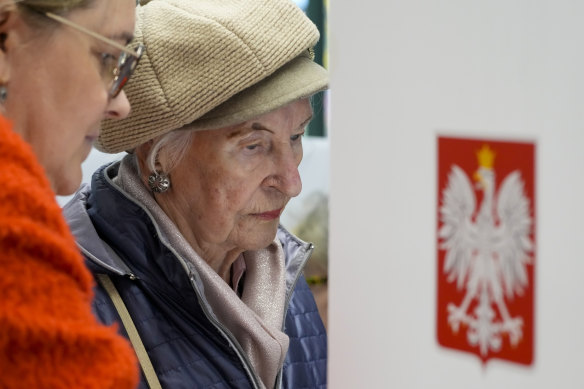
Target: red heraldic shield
{"x":486,"y":248}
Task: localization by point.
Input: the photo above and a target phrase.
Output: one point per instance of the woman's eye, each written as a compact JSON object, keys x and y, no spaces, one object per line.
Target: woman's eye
{"x":108,"y":63}
{"x":296,"y":137}
{"x":107,"y":58}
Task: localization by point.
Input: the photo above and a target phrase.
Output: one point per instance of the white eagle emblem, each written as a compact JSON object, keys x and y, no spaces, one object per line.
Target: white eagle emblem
{"x":487,"y":251}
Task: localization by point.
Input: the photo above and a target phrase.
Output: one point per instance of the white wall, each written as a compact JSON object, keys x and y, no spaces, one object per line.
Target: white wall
{"x":403,"y":72}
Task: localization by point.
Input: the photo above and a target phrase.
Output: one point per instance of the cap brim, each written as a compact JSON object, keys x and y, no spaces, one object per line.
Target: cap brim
{"x":299,"y":78}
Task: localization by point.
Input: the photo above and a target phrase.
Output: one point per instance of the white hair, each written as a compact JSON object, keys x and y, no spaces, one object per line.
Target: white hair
{"x":168,"y":150}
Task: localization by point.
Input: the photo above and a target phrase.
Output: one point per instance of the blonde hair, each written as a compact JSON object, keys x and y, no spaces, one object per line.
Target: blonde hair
{"x":33,"y":11}
{"x":54,"y":6}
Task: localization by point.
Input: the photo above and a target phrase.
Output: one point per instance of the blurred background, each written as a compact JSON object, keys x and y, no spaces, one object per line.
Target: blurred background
{"x":404,"y":74}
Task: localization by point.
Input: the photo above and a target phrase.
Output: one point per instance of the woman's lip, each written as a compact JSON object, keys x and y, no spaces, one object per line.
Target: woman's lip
{"x":93,"y":134}
{"x":269,"y":215}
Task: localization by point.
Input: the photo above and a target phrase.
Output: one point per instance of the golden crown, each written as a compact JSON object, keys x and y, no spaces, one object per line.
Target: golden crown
{"x":486,"y":157}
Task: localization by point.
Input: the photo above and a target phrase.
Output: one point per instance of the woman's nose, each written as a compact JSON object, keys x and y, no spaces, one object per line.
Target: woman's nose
{"x":287,"y":178}
{"x":118,"y":107}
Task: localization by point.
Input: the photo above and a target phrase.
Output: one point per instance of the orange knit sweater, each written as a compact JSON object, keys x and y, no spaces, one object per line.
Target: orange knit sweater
{"x":48,"y":335}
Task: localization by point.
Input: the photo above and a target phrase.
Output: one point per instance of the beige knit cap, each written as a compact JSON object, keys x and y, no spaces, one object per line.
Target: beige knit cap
{"x":214,"y":63}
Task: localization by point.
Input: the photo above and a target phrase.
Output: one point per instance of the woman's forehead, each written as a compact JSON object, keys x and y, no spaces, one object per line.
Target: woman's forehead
{"x":113,"y":19}
{"x":291,"y":117}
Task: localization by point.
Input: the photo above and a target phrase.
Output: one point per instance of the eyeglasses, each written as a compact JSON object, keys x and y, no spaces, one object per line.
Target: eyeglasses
{"x":122,"y":69}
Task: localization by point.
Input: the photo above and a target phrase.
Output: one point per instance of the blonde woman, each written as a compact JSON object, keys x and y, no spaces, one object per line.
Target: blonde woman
{"x":62,"y":67}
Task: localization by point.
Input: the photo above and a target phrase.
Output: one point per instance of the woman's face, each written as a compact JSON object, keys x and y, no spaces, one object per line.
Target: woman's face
{"x":234,"y":183}
{"x":57,"y":89}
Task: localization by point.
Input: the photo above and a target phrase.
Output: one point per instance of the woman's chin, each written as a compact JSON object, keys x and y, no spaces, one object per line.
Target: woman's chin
{"x":67,"y":182}
{"x":262,"y":237}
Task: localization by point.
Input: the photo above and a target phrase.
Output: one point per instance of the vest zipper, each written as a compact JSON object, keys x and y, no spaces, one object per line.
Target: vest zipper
{"x":222,"y":330}
{"x":303,"y":260}
{"x":226,"y":333}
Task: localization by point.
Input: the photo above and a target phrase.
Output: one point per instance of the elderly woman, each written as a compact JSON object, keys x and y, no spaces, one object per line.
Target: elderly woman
{"x":183,"y":234}
{"x":63,"y":64}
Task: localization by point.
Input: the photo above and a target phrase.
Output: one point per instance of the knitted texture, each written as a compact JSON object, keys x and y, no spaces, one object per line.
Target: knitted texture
{"x":297,"y":79}
{"x":48,"y":335}
{"x":198,"y":55}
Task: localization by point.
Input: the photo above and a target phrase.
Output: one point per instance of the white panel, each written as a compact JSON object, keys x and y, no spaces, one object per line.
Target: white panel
{"x":403,"y":72}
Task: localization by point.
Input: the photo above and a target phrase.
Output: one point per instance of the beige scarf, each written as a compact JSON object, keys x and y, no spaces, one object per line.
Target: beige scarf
{"x":256,"y":319}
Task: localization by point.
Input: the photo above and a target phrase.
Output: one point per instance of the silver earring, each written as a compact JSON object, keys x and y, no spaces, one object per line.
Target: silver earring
{"x":159,"y":182}
{"x":3,"y":94}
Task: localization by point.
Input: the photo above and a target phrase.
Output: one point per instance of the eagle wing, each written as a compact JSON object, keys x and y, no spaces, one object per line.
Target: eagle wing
{"x":512,"y":243}
{"x":457,"y":233}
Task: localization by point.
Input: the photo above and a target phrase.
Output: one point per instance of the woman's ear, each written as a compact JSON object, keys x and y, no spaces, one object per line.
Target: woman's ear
{"x":141,"y":152}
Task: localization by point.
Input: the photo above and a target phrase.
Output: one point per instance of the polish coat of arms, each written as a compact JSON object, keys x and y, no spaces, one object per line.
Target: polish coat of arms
{"x":486,"y":248}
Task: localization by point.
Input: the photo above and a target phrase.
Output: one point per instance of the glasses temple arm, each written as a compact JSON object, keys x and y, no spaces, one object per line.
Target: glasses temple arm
{"x":89,"y":32}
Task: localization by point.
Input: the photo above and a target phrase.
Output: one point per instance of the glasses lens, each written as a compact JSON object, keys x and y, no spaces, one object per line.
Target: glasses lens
{"x":109,"y":67}
{"x":126,"y":65}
